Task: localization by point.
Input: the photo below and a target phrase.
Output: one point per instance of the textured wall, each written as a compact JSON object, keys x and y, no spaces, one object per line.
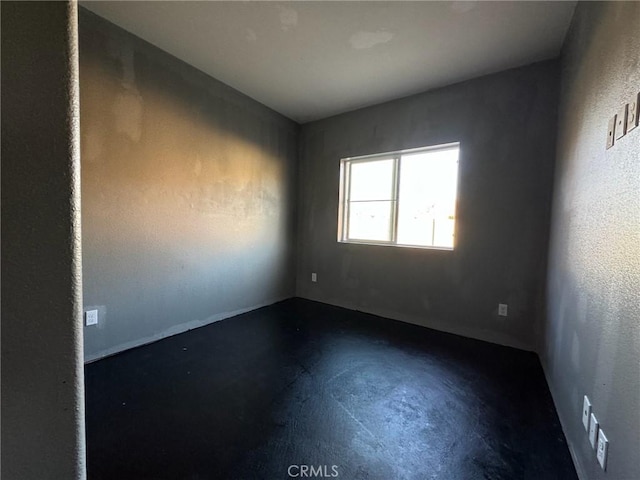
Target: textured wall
{"x":506,"y":124}
{"x":42,"y":377}
{"x":187,"y":191}
{"x":592,"y":336}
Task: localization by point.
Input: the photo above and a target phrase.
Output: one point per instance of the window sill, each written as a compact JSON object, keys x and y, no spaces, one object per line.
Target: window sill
{"x":385,"y":244}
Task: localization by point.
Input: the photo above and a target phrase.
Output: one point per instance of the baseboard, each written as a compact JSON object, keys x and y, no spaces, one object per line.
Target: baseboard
{"x":574,"y":457}
{"x":485,"y":336}
{"x":175,"y":330}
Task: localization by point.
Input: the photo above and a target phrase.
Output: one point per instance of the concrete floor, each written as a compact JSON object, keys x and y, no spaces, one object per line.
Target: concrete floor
{"x":275,"y":392}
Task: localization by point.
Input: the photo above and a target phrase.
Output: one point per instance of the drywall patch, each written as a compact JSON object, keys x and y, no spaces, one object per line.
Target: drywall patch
{"x":288,"y":18}
{"x":127,"y":111}
{"x":197,"y":167}
{"x":366,"y":40}
{"x":463,"y":7}
{"x":94,"y":142}
{"x":251,"y":36}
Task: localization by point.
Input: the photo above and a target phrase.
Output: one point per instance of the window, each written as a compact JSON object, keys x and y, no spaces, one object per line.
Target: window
{"x":403,"y":198}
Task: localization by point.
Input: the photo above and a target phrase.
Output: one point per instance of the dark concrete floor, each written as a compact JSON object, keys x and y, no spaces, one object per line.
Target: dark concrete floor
{"x":302,"y":383}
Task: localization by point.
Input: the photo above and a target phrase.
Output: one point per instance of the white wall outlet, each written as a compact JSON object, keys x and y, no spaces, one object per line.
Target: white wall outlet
{"x":632,"y":115}
{"x":603,"y":450}
{"x":502,"y":309}
{"x":91,"y":317}
{"x":593,"y":431}
{"x":611,"y":132}
{"x":621,"y":122}
{"x":586,"y":411}
{"x":314,"y":277}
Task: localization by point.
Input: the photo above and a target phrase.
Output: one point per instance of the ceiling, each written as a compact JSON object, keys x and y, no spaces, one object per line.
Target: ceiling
{"x":309,"y":60}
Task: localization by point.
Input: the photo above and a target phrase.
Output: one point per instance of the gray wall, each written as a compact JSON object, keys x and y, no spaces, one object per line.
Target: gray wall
{"x":187,"y":194}
{"x":591,"y":343}
{"x":506,"y":124}
{"x":42,"y":377}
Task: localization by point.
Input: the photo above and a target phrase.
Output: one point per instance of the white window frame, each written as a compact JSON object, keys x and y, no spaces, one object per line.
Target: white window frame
{"x":343,"y":205}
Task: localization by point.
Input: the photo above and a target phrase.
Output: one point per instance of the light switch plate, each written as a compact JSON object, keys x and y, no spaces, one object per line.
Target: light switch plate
{"x":603,"y":450}
{"x":503,"y":309}
{"x":621,"y":123}
{"x":593,"y":431}
{"x":91,"y":317}
{"x":586,"y":411}
{"x":611,"y":132}
{"x":633,"y":113}
{"x":314,"y":277}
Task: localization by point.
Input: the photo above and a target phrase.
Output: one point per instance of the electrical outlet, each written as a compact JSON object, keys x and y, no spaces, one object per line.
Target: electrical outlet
{"x":586,"y":411}
{"x":633,"y":112}
{"x":621,"y":123}
{"x":314,"y":277}
{"x":91,"y":317}
{"x":603,"y":450}
{"x":502,"y":309}
{"x":611,"y":132}
{"x":593,"y":431}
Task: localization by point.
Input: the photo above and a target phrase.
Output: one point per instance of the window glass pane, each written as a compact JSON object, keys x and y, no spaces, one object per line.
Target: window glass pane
{"x":427,"y":199}
{"x":372,"y":180}
{"x":370,"y":221}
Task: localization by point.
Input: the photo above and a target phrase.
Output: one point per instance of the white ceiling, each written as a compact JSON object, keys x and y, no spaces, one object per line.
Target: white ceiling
{"x":310,"y":60}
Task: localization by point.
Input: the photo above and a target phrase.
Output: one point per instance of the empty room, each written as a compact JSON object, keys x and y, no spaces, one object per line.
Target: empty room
{"x":320,"y":239}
